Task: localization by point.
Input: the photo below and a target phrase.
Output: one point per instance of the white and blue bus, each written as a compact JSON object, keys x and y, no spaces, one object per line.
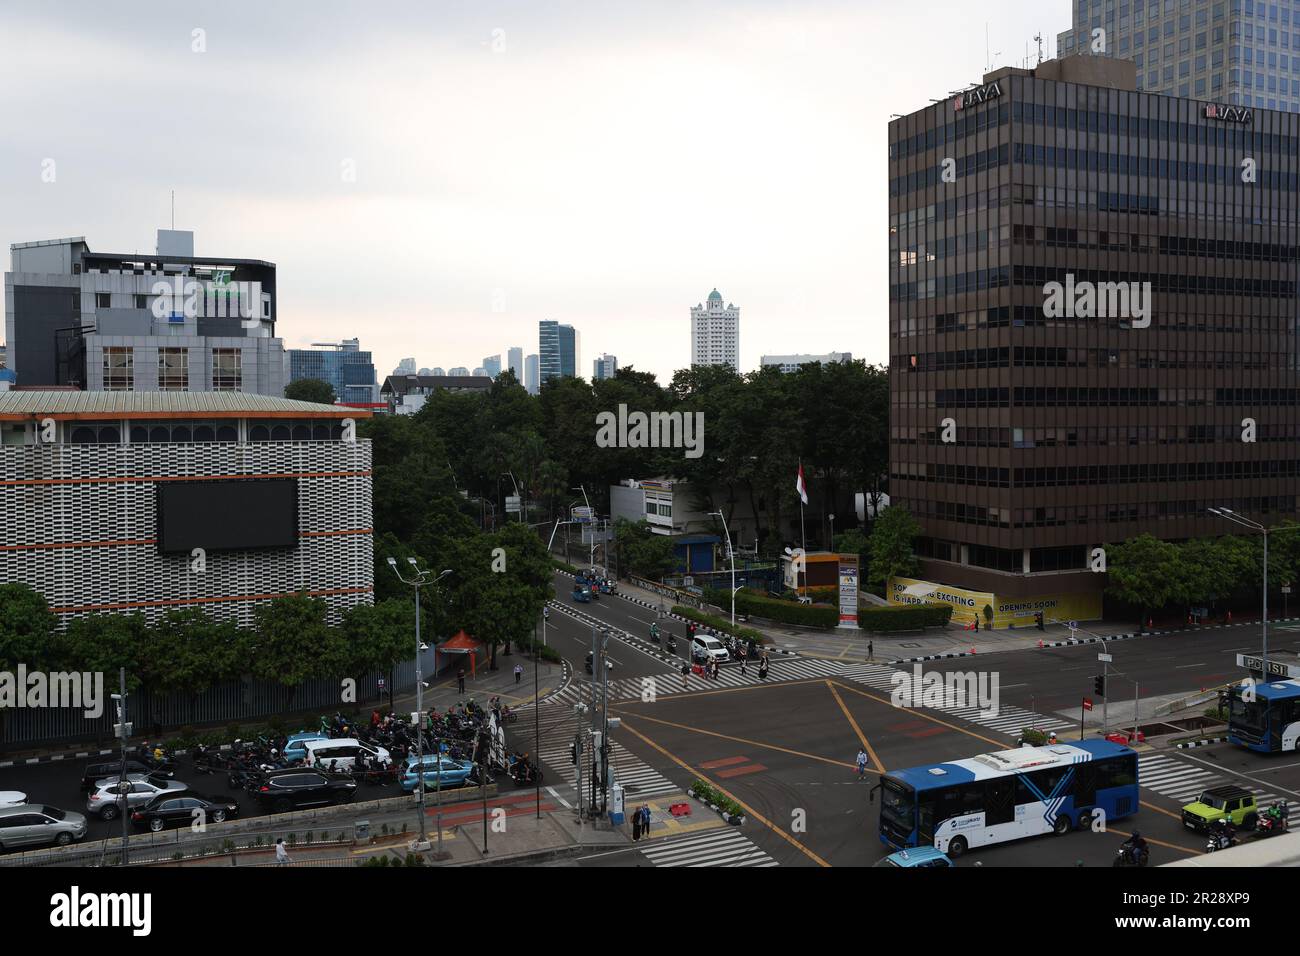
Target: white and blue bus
{"x":1007,"y":795}
{"x":1271,"y":722}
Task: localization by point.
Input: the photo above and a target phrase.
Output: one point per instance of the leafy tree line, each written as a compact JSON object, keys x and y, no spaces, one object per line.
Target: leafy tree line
{"x":1149,"y":574}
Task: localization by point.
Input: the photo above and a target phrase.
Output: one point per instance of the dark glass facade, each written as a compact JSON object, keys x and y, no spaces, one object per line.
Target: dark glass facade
{"x":1073,"y":431}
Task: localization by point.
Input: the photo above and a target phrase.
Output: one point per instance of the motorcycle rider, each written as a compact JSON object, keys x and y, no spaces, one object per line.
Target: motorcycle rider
{"x":1134,"y":846}
{"x":654,"y":632}
{"x":1223,"y":832}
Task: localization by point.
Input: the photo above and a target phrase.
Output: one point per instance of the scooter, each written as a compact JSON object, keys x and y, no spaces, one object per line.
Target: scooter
{"x":1267,"y":825}
{"x":1220,"y":838}
{"x":654,"y":634}
{"x":671,"y":645}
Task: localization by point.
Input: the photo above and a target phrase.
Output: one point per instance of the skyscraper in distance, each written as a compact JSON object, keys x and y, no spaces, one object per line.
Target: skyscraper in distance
{"x":492,"y":365}
{"x":532,"y":374}
{"x":558,"y":350}
{"x":515,"y":362}
{"x":715,"y":333}
{"x":604,"y":367}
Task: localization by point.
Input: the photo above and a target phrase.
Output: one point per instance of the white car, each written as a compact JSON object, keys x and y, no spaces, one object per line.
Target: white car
{"x":104,"y":800}
{"x":704,"y":647}
{"x":341,"y":754}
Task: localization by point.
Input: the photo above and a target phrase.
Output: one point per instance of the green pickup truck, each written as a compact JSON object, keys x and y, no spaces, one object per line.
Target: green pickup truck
{"x":1221,"y":803}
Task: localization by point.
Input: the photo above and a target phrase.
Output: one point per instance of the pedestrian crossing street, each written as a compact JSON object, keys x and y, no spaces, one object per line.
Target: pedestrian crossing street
{"x":639,"y":780}
{"x":1183,"y":782}
{"x":725,"y":846}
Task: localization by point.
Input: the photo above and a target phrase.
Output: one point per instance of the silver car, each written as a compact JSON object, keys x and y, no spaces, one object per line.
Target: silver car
{"x":33,"y":824}
{"x":105,"y":801}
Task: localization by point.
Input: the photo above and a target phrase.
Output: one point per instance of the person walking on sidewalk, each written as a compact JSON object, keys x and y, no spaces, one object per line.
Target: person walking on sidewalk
{"x":519,"y":673}
{"x":762,"y":666}
{"x":281,"y":852}
{"x":862,"y":763}
{"x":636,"y":825}
{"x":744,"y":658}
{"x":460,"y":681}
{"x":871,"y":649}
{"x":644,"y":813}
{"x":686,"y":675}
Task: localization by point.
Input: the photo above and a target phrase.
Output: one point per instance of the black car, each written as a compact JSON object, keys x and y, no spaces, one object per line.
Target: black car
{"x":112,"y":768}
{"x":179,"y":810}
{"x":285,"y":790}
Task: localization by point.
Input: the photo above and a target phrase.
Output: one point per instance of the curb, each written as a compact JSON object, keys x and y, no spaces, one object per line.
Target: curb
{"x":539,"y":856}
{"x":1206,"y":742}
{"x":564,"y":685}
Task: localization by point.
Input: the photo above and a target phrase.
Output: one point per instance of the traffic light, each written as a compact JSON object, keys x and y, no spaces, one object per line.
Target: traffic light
{"x":573,"y":754}
{"x":1099,"y":685}
{"x":1038,"y":620}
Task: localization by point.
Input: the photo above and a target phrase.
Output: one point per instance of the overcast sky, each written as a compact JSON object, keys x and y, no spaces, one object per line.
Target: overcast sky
{"x":603,"y":163}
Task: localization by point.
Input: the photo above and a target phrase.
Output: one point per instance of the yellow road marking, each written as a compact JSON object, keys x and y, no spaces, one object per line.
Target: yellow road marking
{"x":749,"y":811}
{"x":871,"y":751}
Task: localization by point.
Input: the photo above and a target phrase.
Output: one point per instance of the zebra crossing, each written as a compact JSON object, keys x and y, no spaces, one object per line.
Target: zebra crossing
{"x":1184,"y":782}
{"x":639,"y":780}
{"x":725,"y":846}
{"x":1009,"y":719}
{"x":670,"y":682}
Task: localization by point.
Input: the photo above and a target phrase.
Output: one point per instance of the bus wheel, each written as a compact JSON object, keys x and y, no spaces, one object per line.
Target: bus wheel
{"x":956,"y":847}
{"x":1085,"y":821}
{"x":1062,"y":824}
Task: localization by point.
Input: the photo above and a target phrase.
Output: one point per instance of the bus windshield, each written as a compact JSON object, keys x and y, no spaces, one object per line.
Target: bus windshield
{"x":1247,"y":714}
{"x":898,"y":803}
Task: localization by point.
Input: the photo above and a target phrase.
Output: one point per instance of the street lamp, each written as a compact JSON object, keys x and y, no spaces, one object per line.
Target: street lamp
{"x":511,"y":475}
{"x":422,"y":578}
{"x":731,"y":557}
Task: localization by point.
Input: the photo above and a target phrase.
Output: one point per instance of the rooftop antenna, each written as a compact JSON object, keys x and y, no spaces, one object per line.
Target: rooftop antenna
{"x":1039,"y":38}
{"x":173,"y":209}
{"x":988,"y":60}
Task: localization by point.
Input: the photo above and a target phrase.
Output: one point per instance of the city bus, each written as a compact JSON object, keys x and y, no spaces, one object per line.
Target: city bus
{"x":1008,"y":795}
{"x":1271,"y":722}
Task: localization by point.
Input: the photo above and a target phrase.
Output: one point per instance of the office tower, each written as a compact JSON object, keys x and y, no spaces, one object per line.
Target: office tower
{"x":515,"y":362}
{"x":436,"y":372}
{"x":1215,"y":50}
{"x":532,"y":374}
{"x":1045,"y":401}
{"x":492,"y":366}
{"x":459,"y":370}
{"x":171,"y":321}
{"x":715,"y":333}
{"x":558,"y":348}
{"x":604,"y":367}
{"x":405,"y":367}
{"x":348,"y":369}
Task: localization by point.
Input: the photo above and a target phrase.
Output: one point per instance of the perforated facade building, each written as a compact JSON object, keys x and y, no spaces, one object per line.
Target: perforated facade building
{"x":80,"y":474}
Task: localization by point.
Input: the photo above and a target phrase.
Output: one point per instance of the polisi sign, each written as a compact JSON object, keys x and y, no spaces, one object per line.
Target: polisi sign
{"x":978,"y":95}
{"x":1228,"y":114}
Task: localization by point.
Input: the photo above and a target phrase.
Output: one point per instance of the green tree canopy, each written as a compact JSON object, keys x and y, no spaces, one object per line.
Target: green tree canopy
{"x":891,"y":552}
{"x":314,"y":390}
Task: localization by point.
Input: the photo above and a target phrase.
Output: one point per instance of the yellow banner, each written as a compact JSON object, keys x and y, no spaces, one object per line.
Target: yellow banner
{"x":1006,"y":611}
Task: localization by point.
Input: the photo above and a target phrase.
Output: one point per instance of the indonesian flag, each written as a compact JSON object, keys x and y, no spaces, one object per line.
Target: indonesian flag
{"x":800,"y":486}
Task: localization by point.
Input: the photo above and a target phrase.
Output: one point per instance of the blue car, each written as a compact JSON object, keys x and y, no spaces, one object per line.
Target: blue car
{"x":582,"y":595}
{"x":294,"y":751}
{"x":454,"y":772}
{"x":916,"y":856}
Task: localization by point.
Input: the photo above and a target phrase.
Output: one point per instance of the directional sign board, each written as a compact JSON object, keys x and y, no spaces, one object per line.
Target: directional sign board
{"x":1275,"y":668}
{"x":583,"y":513}
{"x":512,"y":504}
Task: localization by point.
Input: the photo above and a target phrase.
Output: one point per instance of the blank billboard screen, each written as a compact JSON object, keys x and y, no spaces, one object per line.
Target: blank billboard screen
{"x":227,"y":515}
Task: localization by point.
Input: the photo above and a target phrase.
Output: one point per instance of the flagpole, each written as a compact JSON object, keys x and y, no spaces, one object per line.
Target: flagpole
{"x":803,"y":534}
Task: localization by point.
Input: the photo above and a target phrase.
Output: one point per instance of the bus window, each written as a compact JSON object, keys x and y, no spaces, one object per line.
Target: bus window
{"x":999,"y":801}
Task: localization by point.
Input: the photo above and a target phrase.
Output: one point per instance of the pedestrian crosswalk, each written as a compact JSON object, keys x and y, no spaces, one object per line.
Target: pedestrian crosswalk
{"x":580,"y":689}
{"x":557,"y":729}
{"x":1009,"y":719}
{"x":1183,"y":782}
{"x":725,"y":846}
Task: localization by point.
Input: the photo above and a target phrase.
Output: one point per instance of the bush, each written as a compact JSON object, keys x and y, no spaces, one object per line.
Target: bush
{"x":564,"y":567}
{"x":545,"y":651}
{"x":904,"y":617}
{"x":774,"y":609}
{"x":718,"y":624}
{"x":715,"y":797}
{"x":1035,"y":738}
{"x":1216,"y":713}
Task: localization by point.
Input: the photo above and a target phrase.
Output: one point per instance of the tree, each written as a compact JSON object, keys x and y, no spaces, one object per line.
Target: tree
{"x":313,"y":390}
{"x":379,"y":635}
{"x":25,"y":627}
{"x":641,"y":551}
{"x":891,"y":546}
{"x":190,"y":651}
{"x":1145,"y":572}
{"x":291,"y":641}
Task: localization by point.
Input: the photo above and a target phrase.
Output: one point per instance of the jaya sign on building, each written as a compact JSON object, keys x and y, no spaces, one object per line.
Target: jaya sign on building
{"x":980,"y":94}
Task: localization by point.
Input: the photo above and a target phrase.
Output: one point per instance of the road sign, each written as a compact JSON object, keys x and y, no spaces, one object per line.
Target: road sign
{"x":1105,"y":658}
{"x":583,"y":513}
{"x":1275,"y":668}
{"x":512,"y":504}
{"x":382,"y":683}
{"x":1286,"y":589}
{"x":1074,"y":625}
{"x":1087,"y":703}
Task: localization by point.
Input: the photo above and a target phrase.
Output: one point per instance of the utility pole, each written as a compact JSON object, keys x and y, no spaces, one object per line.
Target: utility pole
{"x":537,"y":723}
{"x":123,"y":786}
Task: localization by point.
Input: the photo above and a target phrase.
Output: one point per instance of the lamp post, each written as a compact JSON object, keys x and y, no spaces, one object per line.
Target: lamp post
{"x":1254,"y":526}
{"x":511,"y":475}
{"x":731,"y":557}
{"x":422,"y":578}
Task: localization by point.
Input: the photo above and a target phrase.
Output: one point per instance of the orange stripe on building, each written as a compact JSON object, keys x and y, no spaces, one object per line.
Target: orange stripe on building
{"x":173,"y":602}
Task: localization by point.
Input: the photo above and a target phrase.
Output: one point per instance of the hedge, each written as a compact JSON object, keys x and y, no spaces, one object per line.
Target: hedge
{"x":904,"y":617}
{"x":718,"y":624}
{"x":563,"y":566}
{"x":773,"y":609}
{"x":547,"y":652}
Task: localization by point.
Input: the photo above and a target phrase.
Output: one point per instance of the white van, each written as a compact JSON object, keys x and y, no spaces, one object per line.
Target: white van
{"x":342,"y":753}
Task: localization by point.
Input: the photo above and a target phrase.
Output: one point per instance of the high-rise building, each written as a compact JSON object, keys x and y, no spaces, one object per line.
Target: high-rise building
{"x":1212,"y":50}
{"x":791,"y":363}
{"x":558,"y":348}
{"x":458,"y":371}
{"x":436,"y":372}
{"x":405,"y":367}
{"x":532,"y":374}
{"x":425,"y":371}
{"x":171,"y":321}
{"x":480,"y":372}
{"x":348,"y":369}
{"x":1081,"y":323}
{"x":492,"y":366}
{"x":604,"y":367}
{"x":515,"y":362}
{"x":715,"y":333}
